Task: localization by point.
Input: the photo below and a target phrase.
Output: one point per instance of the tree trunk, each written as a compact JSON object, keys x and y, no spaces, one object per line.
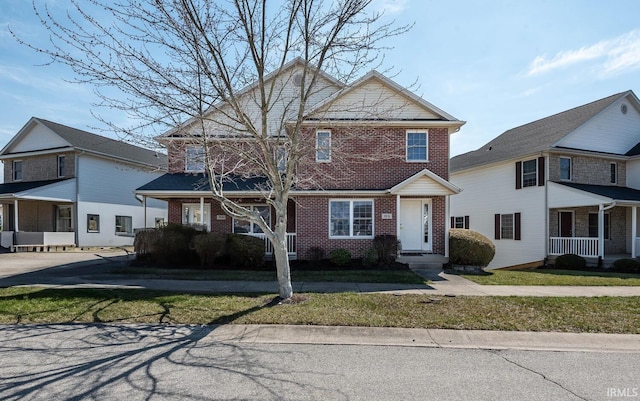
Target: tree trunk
{"x":281,"y":253}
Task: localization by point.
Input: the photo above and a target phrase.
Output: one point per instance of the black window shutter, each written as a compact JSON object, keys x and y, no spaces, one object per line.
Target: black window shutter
{"x":453,"y":222}
{"x":466,"y":222}
{"x":518,"y":175}
{"x":497,"y":227}
{"x":516,"y":226}
{"x":540,"y":171}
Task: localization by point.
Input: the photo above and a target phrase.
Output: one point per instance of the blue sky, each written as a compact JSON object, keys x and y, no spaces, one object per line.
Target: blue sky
{"x":495,"y":64}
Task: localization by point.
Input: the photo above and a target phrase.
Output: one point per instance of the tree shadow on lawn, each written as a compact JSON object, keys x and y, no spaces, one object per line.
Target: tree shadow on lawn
{"x":140,"y":361}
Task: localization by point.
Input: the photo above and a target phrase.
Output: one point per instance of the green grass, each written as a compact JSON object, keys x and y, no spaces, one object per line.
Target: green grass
{"x":570,"y":314}
{"x":554,"y":277}
{"x":345,"y":276}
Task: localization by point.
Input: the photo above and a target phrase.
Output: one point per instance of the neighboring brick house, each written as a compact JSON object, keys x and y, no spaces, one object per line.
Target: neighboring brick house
{"x":397,"y":185}
{"x":65,"y":187}
{"x":568,"y":183}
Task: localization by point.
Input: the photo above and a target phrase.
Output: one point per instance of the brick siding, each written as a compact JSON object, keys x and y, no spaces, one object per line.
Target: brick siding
{"x":589,"y":170}
{"x":39,"y":168}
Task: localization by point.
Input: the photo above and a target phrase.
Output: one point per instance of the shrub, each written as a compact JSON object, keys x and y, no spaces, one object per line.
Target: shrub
{"x":168,"y":245}
{"x":245,"y":250}
{"x":145,"y":242}
{"x":315,"y":254}
{"x":340,"y":256}
{"x":470,"y":248}
{"x":209,"y":248}
{"x":626,"y":266}
{"x":370,"y":258}
{"x":386,"y":247}
{"x":570,"y":261}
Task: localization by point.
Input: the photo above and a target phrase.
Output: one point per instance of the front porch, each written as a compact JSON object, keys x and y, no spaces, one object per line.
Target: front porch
{"x":37,"y":241}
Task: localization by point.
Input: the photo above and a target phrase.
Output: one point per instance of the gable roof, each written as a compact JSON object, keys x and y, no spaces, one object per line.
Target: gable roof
{"x":534,"y":137}
{"x":92,"y":143}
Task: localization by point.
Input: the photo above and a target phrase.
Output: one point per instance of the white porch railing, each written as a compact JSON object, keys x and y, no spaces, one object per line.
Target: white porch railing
{"x":585,"y":247}
{"x":268,"y":247}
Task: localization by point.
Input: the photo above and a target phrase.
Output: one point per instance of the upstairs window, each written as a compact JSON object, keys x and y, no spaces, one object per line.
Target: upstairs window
{"x":194,"y":159}
{"x":529,"y":173}
{"x":17,"y":170}
{"x":614,"y":173}
{"x":417,"y":149}
{"x":565,"y":168}
{"x":281,"y":159}
{"x":61,"y":163}
{"x":323,"y":146}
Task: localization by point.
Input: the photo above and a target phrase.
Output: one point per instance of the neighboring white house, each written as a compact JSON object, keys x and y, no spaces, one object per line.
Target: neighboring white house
{"x":67,"y":187}
{"x":568,"y":183}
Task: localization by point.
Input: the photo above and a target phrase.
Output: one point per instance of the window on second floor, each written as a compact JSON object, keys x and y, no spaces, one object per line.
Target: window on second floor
{"x":17,"y":170}
{"x":323,"y":146}
{"x":529,"y":173}
{"x":61,"y":163}
{"x":614,"y":173}
{"x":565,"y":168}
{"x":417,"y":146}
{"x":194,"y":159}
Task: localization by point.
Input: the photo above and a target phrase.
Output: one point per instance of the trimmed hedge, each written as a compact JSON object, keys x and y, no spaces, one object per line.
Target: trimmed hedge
{"x":386,"y":247}
{"x":470,"y":248}
{"x":245,"y":250}
{"x":570,"y":261}
{"x":340,"y":256}
{"x":626,"y":266}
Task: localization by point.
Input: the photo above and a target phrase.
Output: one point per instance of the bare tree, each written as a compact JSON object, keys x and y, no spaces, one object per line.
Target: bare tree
{"x":216,"y":72}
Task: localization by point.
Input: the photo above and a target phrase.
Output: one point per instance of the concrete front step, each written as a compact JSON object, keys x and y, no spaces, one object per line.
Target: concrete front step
{"x":423,"y":261}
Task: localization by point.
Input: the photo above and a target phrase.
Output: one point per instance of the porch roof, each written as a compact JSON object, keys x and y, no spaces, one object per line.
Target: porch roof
{"x":36,"y":190}
{"x":608,"y":193}
{"x":179,"y":184}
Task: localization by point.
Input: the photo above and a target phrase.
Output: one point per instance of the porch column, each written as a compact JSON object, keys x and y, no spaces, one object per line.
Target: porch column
{"x":601,"y":231}
{"x":634,"y":232}
{"x":15,"y":216}
{"x":202,"y":211}
{"x":398,"y":218}
{"x":447,"y":225}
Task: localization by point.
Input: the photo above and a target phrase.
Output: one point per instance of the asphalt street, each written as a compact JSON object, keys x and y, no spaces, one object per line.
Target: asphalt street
{"x":89,"y":362}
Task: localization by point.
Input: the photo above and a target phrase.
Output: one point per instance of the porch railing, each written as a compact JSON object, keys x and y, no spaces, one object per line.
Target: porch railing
{"x":585,"y":247}
{"x":268,"y":247}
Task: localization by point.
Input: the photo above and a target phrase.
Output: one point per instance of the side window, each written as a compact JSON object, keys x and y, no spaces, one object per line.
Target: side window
{"x":61,"y":163}
{"x":194,"y":159}
{"x":529,"y":173}
{"x":507,"y":226}
{"x":614,"y":173}
{"x":124,"y":225}
{"x":323,"y":146}
{"x":417,"y":146}
{"x":460,"y":222}
{"x":565,"y":168}
{"x":17,"y":170}
{"x":93,"y":223}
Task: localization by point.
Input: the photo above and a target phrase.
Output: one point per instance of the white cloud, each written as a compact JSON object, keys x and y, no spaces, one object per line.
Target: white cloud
{"x":390,"y":6}
{"x":617,"y":55}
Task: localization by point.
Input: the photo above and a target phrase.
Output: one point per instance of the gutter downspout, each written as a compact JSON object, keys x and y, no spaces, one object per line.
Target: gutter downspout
{"x":77,"y":205}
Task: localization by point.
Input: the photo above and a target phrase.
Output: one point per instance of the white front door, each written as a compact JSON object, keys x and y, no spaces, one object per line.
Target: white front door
{"x":415,"y":224}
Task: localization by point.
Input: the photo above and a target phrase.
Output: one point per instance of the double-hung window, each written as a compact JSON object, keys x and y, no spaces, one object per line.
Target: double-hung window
{"x":417,"y":146}
{"x":565,"y":168}
{"x":194,"y":159}
{"x":323,"y":146}
{"x":351,"y":218}
{"x":247,"y":227}
{"x":61,"y":162}
{"x":17,"y":170}
{"x":530,"y":173}
{"x":508,"y":226}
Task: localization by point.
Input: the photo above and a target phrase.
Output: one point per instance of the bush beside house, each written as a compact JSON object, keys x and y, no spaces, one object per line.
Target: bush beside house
{"x":469,"y":250}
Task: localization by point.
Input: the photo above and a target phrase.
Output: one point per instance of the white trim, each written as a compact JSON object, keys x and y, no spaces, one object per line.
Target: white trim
{"x":570,"y":168}
{"x":36,"y":153}
{"x":425,"y":173}
{"x":251,"y":207}
{"x":318,"y":149}
{"x":351,"y":236}
{"x":13,"y":170}
{"x":58,"y":171}
{"x":198,"y":149}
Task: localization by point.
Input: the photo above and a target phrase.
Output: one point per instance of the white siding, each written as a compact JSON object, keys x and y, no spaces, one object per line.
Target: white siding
{"x":424,"y":186}
{"x":633,"y":174}
{"x":489,"y":191}
{"x":610,"y":131}
{"x":108,"y":213}
{"x":39,"y":138}
{"x":374,"y":100}
{"x":106,"y":181}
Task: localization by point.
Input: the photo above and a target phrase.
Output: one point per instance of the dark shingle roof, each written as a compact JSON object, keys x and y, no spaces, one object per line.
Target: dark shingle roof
{"x":95,"y":143}
{"x":609,"y":191}
{"x":533,"y":137}
{"x":16,"y":187}
{"x":198,"y":182}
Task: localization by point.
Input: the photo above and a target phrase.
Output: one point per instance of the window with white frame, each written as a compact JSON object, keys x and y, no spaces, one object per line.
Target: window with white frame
{"x":64,"y":218}
{"x":565,"y":168}
{"x":323,"y":146}
{"x":506,"y":226}
{"x":530,"y":173}
{"x":417,"y":146}
{"x":93,"y":223}
{"x":351,"y":218}
{"x":61,"y":163}
{"x":458,"y":222}
{"x":247,"y":227}
{"x":193,"y":215}
{"x":17,"y":170}
{"x":614,"y":173}
{"x":124,"y":225}
{"x":281,"y":158}
{"x":194,"y":159}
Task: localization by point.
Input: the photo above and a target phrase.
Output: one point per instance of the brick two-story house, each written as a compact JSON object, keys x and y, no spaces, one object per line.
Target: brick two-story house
{"x":568,"y":183}
{"x":64,"y":187}
{"x":363,"y":176}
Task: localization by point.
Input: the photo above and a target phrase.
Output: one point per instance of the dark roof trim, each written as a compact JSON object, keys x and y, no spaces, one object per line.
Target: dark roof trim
{"x":610,"y":191}
{"x":17,"y":187}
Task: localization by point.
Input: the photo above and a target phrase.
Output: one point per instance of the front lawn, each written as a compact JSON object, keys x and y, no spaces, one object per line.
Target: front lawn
{"x":571,"y":314}
{"x":554,"y":277}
